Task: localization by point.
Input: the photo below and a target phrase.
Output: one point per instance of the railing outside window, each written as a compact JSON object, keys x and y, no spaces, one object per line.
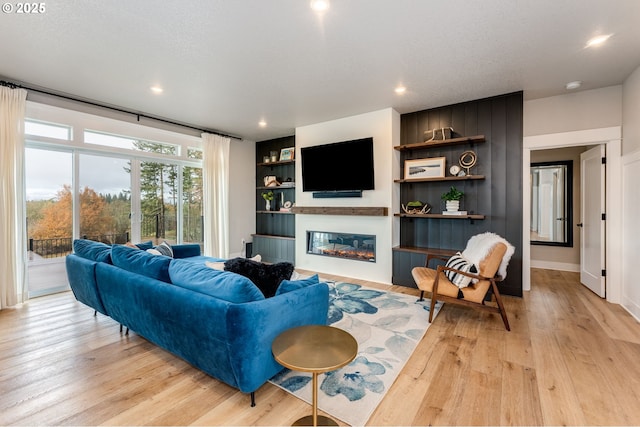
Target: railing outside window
{"x":62,"y":246}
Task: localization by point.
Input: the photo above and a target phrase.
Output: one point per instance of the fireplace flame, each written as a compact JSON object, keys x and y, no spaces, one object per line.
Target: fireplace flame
{"x":359,"y":247}
{"x":351,"y":254}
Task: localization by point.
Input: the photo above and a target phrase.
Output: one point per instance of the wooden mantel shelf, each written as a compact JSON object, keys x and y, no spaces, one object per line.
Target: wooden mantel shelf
{"x":341,"y":210}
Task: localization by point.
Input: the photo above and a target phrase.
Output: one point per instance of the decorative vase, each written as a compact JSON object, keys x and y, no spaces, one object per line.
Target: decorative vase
{"x":267,"y":205}
{"x":452,"y":205}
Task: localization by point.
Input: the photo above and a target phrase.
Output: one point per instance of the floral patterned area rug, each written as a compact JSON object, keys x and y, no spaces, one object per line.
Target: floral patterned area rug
{"x":388,"y":327}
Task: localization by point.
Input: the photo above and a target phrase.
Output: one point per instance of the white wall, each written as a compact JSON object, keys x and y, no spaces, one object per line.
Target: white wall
{"x":631,"y":237}
{"x":580,"y":118}
{"x":384,"y":127}
{"x":631,"y":113}
{"x":242,"y":201}
{"x":589,"y":109}
{"x":630,"y":194}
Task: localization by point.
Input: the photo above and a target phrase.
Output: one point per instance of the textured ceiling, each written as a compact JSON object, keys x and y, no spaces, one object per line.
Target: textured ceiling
{"x":225,"y":65}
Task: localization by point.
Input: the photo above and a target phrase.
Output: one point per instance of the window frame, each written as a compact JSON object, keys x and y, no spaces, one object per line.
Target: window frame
{"x":79,"y":122}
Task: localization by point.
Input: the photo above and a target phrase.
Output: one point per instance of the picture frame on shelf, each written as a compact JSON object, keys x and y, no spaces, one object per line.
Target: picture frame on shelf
{"x":287,"y":153}
{"x":430,"y":167}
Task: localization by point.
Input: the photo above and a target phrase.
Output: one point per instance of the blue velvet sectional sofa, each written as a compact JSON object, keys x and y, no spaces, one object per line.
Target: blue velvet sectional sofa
{"x":218,"y":321}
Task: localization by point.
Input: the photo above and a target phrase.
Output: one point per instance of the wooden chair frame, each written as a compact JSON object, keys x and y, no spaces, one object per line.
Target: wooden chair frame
{"x":444,"y":298}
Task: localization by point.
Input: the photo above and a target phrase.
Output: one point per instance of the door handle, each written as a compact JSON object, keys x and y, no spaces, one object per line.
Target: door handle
{"x":580,"y":225}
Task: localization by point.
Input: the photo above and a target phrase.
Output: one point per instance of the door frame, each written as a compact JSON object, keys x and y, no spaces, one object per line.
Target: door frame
{"x":612,"y":138}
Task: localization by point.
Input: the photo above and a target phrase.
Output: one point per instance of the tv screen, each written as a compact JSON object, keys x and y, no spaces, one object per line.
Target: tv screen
{"x":341,"y":166}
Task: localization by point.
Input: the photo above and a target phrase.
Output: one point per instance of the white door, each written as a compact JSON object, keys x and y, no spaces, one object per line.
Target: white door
{"x":592,"y":237}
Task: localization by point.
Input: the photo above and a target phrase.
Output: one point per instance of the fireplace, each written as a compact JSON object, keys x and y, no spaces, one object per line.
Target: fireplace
{"x":360,"y":247}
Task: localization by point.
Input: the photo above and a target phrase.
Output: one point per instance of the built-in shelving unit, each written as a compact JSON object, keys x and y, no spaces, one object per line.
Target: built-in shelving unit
{"x":424,"y":251}
{"x":274,"y":239}
{"x":446,"y":178}
{"x":280,"y":187}
{"x":275,"y":212}
{"x":439,"y":143}
{"x":439,"y":216}
{"x":277,"y":163}
{"x":415,"y":228}
{"x":494,"y":190}
{"x":429,"y":145}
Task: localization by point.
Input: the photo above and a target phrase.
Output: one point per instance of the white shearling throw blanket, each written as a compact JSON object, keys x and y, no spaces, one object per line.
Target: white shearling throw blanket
{"x":478,"y":248}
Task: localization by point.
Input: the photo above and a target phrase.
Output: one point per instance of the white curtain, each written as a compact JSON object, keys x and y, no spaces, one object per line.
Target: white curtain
{"x":13,"y":228}
{"x":216,"y":194}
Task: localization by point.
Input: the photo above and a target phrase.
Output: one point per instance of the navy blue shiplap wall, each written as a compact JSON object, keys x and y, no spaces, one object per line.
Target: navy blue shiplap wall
{"x":498,"y":197}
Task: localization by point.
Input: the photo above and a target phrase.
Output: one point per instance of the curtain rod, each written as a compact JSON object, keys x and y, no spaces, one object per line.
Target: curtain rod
{"x":13,"y":85}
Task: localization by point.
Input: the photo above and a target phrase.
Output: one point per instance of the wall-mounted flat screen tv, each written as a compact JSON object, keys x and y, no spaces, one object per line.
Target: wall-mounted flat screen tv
{"x":340,"y":166}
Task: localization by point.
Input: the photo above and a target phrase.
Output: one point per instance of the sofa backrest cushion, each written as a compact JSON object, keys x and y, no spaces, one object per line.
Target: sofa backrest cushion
{"x":186,"y":250}
{"x":145,"y":245}
{"x":292,"y":285}
{"x":219,"y":284}
{"x":94,"y":251}
{"x":141,"y":262}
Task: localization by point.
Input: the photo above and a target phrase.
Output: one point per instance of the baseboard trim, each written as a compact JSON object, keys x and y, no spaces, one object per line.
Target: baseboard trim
{"x":550,"y":265}
{"x":632,"y":308}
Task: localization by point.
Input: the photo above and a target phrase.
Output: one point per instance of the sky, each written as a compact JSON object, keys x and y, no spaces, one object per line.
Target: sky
{"x":48,"y":171}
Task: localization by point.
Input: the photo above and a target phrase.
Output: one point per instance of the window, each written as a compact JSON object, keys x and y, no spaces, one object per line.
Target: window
{"x":49,"y":130}
{"x":49,"y":203}
{"x":192,"y":214}
{"x":48,"y":177}
{"x":105,"y":180}
{"x":105,"y":198}
{"x":159,"y":201}
{"x":115,"y":141}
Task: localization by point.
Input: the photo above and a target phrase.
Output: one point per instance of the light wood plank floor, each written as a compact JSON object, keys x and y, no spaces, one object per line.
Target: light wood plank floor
{"x":570,"y":359}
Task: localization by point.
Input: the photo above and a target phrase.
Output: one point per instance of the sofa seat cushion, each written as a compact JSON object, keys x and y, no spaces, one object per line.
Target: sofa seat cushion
{"x":267,"y":277}
{"x":94,"y":251}
{"x":141,"y":262}
{"x":219,"y":284}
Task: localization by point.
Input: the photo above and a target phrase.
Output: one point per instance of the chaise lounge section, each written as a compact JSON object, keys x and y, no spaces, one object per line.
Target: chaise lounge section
{"x":218,"y":321}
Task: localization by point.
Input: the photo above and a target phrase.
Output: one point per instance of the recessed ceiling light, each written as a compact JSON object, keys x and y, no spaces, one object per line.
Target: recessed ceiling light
{"x":573,"y":85}
{"x":157,"y":89}
{"x":320,"y":5}
{"x":598,"y":40}
{"x":400,"y":90}
{"x":262,"y":123}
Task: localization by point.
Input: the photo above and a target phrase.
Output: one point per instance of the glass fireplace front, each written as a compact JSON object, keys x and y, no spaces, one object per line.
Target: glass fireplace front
{"x":360,"y":247}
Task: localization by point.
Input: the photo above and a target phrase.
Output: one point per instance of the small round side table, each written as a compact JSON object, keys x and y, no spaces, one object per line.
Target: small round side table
{"x":315,"y":349}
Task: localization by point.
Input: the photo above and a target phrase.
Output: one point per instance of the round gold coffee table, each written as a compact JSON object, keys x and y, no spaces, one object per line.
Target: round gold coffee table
{"x":315,"y":349}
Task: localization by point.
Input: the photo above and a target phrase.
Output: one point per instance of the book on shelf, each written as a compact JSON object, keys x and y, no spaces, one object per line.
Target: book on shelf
{"x":454,"y":212}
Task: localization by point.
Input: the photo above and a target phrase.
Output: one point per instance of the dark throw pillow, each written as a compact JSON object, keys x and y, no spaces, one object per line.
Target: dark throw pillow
{"x":266,"y":277}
